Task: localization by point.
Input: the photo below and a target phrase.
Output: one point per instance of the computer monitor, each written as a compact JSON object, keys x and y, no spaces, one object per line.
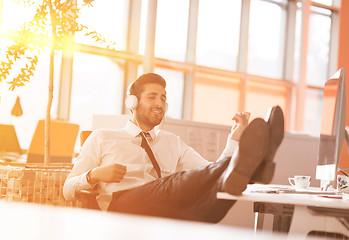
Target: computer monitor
{"x":332,"y":129}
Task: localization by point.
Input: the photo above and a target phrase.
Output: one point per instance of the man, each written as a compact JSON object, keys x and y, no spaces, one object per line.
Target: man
{"x":142,"y":170}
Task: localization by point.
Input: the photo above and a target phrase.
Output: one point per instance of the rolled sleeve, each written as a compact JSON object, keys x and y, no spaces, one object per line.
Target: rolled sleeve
{"x":229,"y":149}
{"x":88,"y":159}
{"x":74,"y":184}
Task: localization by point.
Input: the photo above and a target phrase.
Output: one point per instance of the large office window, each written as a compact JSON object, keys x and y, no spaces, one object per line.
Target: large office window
{"x":313,"y":111}
{"x":260,"y":96}
{"x":317,"y":67}
{"x":174,"y":90}
{"x":33,"y":98}
{"x":327,"y":2}
{"x":108,"y":18}
{"x":15,"y":13}
{"x":171,"y":29}
{"x":219,"y":57}
{"x":266,"y":39}
{"x":318,"y":46}
{"x":216,"y":98}
{"x":218,"y":33}
{"x":97,"y":88}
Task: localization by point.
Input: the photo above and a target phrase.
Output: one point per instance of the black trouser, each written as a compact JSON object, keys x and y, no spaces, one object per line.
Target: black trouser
{"x":189,"y":195}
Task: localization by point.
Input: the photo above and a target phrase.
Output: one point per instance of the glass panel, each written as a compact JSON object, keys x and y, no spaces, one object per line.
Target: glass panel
{"x":174,"y":89}
{"x":312,"y":113}
{"x":260,"y":97}
{"x":216,"y":99}
{"x":143,"y":27}
{"x":33,"y":98}
{"x":97,"y":88}
{"x":108,"y":18}
{"x":171,"y":29}
{"x":218,"y":34}
{"x":266,"y":39}
{"x":318,"y":49}
{"x":15,"y":13}
{"x":319,"y":10}
{"x":326,"y":2}
{"x":297,"y":46}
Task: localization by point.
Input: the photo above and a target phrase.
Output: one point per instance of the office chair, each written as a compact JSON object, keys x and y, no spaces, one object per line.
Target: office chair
{"x":62,"y":141}
{"x":8,"y":140}
{"x":87,"y":197}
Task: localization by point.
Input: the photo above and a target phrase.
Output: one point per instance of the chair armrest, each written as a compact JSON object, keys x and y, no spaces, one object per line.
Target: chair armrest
{"x":88,"y":198}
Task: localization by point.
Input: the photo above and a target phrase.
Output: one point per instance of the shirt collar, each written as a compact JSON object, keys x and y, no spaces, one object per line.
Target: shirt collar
{"x":134,"y":130}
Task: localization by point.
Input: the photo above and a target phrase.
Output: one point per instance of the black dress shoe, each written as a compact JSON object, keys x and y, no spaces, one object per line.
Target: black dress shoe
{"x":275,"y":121}
{"x":253,"y":146}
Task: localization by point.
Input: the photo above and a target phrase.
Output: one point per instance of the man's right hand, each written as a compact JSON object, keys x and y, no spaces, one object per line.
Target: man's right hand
{"x":108,"y":173}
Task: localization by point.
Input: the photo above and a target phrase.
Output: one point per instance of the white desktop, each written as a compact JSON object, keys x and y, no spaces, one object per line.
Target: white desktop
{"x":297,"y":155}
{"x":315,"y":209}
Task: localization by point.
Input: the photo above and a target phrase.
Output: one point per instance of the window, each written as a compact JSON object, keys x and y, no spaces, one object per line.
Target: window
{"x":318,"y":47}
{"x":143,"y":27}
{"x":23,"y":13}
{"x":216,"y":99}
{"x":216,"y":76}
{"x":218,"y":34}
{"x":317,"y":67}
{"x":174,"y":89}
{"x":108,"y":19}
{"x":262,"y":96}
{"x":171,"y":29}
{"x":266,"y":39}
{"x":97,"y":88}
{"x":326,"y":2}
{"x":313,"y":110}
{"x":33,"y":99}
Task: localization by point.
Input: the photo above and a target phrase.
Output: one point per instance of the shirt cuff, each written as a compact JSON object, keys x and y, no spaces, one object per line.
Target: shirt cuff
{"x":84,"y":184}
{"x":229,"y":148}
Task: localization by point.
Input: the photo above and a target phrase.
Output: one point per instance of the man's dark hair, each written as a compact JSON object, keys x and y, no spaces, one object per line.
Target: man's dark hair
{"x":137,"y":87}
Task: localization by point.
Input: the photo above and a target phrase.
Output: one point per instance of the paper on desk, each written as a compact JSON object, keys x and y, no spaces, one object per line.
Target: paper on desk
{"x":260,"y":188}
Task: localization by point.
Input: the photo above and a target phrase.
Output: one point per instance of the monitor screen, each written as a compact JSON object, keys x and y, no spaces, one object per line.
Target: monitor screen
{"x":332,"y":128}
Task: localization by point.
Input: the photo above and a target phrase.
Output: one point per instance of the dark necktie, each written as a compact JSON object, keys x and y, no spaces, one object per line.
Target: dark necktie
{"x":148,"y":150}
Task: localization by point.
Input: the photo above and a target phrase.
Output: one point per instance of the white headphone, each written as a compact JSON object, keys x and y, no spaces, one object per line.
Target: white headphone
{"x":131,"y":100}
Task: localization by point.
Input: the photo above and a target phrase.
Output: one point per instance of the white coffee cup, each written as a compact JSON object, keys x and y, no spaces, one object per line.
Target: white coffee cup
{"x":300,"y":181}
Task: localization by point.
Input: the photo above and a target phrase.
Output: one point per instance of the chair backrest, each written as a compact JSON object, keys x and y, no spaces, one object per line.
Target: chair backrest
{"x":87,"y":196}
{"x":8,"y":139}
{"x":62,"y":141}
{"x":83,"y":136}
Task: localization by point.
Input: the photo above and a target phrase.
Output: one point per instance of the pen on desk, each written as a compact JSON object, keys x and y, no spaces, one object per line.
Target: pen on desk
{"x":332,"y":197}
{"x":346,"y":174}
{"x":272,"y":191}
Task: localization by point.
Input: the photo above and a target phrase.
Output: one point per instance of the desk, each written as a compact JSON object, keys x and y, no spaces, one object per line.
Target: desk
{"x":310,"y":212}
{"x":41,"y":222}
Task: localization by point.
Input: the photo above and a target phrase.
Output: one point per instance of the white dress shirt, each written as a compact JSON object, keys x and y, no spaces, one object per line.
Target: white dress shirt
{"x":123,"y":147}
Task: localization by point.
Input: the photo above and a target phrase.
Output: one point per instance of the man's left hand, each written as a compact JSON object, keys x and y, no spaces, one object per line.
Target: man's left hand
{"x":240,"y":123}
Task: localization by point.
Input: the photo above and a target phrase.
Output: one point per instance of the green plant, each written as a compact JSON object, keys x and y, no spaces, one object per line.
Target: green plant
{"x":53,"y":26}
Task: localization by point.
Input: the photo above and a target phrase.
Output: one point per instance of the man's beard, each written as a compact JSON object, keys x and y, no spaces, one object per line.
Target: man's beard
{"x":150,"y":119}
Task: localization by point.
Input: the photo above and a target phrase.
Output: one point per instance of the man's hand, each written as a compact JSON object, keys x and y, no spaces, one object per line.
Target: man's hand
{"x":240,"y":123}
{"x":108,"y":173}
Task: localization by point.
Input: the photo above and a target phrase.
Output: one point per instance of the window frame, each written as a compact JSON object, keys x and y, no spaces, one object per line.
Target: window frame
{"x":294,"y":112}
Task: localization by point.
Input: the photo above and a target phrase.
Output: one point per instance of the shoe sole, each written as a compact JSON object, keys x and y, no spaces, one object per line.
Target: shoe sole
{"x":265,"y":172}
{"x":253,"y":147}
